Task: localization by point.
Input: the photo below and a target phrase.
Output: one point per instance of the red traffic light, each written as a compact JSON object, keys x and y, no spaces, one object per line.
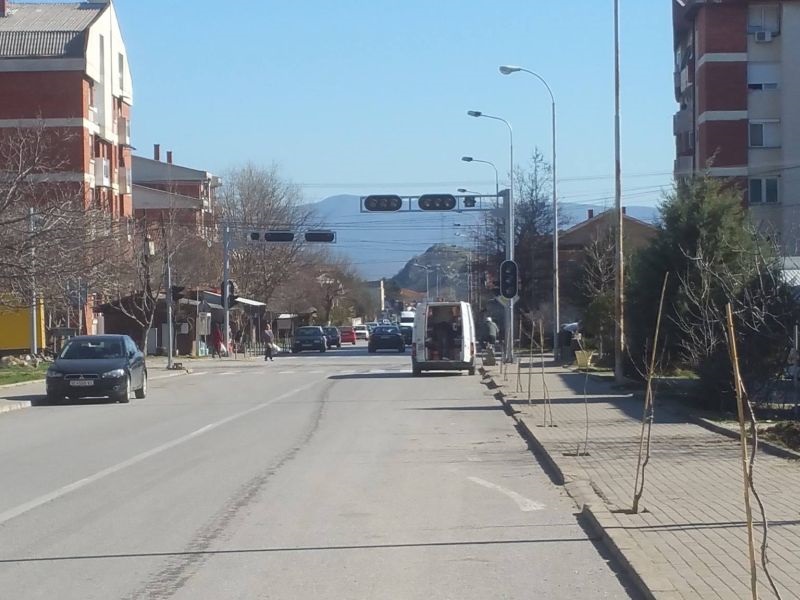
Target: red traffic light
{"x":383,"y":203}
{"x":437,"y":202}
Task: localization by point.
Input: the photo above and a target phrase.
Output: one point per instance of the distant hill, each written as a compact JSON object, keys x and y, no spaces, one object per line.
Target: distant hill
{"x":379,"y":244}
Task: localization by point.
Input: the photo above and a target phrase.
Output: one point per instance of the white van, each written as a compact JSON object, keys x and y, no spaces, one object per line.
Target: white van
{"x":444,"y":338}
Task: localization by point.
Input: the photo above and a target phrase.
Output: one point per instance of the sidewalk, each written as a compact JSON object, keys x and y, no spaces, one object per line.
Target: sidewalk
{"x":689,"y":539}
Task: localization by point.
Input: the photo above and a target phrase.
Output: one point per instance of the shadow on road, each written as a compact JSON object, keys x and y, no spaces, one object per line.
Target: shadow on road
{"x":397,"y":375}
{"x":461,"y":408}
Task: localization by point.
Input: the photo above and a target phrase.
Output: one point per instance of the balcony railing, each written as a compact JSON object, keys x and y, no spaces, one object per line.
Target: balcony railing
{"x":124,"y":131}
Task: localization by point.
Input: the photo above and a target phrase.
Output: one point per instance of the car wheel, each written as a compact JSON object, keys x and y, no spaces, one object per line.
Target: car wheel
{"x":471,"y":371}
{"x":354,"y":343}
{"x":416,"y":371}
{"x":339,"y":346}
{"x":142,"y":391}
{"x":53,"y":399}
{"x":125,"y":396}
{"x":322,"y":349}
{"x":401,"y":349}
{"x":371,"y":350}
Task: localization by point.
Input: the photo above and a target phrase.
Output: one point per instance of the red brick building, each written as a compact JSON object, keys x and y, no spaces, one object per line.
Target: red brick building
{"x":737,"y":81}
{"x":163,"y":188}
{"x":64,"y":67}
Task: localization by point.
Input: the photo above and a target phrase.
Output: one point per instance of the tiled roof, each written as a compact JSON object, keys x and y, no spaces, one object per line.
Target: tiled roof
{"x":46,"y":30}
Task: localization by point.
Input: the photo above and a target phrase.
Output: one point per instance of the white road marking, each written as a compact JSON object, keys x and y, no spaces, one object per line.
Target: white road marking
{"x":63,"y":491}
{"x":199,"y":373}
{"x":229,"y":373}
{"x":525,"y":504}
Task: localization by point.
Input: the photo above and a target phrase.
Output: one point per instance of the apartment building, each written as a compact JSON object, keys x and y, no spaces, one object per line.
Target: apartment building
{"x":737,"y":80}
{"x":64,"y":68}
{"x":163,"y":189}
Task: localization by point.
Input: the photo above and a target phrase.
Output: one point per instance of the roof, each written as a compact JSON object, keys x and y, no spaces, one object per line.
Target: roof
{"x":47,"y":30}
{"x":147,"y":170}
{"x":146,"y":198}
{"x":604,"y":215}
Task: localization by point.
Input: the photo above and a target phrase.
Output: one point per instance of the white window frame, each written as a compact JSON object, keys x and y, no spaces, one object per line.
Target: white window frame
{"x":770,"y":133}
{"x":756,"y":25}
{"x":762,"y":182}
{"x":758,"y":80}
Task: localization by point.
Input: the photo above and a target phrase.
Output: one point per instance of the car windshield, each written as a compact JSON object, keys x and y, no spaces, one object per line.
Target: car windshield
{"x":386,"y":330}
{"x":92,"y":349}
{"x":331,"y":330}
{"x":307,"y":332}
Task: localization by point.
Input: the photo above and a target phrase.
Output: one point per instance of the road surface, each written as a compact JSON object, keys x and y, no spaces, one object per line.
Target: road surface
{"x":325,"y":476}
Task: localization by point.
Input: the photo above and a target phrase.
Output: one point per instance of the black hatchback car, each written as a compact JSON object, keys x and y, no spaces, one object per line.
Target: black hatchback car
{"x":309,"y":338}
{"x":385,"y":337}
{"x":98,"y":366}
{"x":333,"y":337}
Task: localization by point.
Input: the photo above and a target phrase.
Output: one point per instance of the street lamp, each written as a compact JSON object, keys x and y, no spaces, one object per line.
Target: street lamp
{"x":491,"y":164}
{"x":509,"y":349}
{"x":427,"y":279}
{"x":507,"y":70}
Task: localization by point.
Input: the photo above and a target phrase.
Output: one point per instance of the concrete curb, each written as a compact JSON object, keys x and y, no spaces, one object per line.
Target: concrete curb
{"x":763,"y":445}
{"x":10,"y":405}
{"x":642,"y":572}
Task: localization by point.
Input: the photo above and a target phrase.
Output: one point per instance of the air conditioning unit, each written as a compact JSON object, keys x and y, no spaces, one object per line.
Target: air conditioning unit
{"x":763,"y":37}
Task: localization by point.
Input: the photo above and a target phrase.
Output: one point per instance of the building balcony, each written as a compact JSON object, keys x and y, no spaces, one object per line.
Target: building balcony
{"x":93,"y":114}
{"x":125,"y":185}
{"x":124,"y":131}
{"x":102,"y":172}
{"x":684,"y":165}
{"x":682,"y":121}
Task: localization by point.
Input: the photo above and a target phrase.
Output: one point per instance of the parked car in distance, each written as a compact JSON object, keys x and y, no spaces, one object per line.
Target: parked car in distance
{"x":408,"y":334}
{"x":333,"y":337}
{"x":309,"y":338}
{"x":372,"y":325}
{"x":386,"y":337}
{"x":98,"y":366}
{"x":362,"y":333}
{"x":347,"y":334}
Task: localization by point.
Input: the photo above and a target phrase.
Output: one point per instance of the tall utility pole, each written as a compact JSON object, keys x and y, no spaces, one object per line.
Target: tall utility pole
{"x":226,"y":267}
{"x":619,"y":279}
{"x":34,"y":341}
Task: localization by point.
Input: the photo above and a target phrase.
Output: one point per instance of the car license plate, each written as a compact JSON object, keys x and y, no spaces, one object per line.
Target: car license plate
{"x":81,"y":383}
{"x":386,"y":337}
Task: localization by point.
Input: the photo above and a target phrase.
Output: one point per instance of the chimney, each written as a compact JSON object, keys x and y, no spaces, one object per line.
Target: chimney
{"x":591,"y":213}
{"x":156,"y":147}
{"x":169,"y":157}
{"x":624,"y":212}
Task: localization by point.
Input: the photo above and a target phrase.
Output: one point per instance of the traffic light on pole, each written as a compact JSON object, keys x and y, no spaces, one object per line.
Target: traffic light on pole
{"x":177,"y":292}
{"x":321,"y":236}
{"x":437,"y":202}
{"x":278,"y":236}
{"x":469,"y":201}
{"x":383,"y":203}
{"x":509,"y":283}
{"x":232,"y":297}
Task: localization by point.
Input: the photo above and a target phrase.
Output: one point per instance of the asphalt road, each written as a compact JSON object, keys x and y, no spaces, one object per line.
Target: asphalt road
{"x":316,"y":476}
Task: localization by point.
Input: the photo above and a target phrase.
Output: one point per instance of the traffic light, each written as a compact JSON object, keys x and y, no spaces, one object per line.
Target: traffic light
{"x":383,"y":203}
{"x":232,"y":297}
{"x":509,"y":279}
{"x":469,"y":201}
{"x":437,"y":202}
{"x":278,"y":236}
{"x":323,"y":236}
{"x":177,"y":292}
{"x":255,"y":236}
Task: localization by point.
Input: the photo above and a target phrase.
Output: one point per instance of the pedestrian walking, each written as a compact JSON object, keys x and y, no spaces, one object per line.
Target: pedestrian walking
{"x":216,"y":341}
{"x":269,"y":339}
{"x":490,"y":332}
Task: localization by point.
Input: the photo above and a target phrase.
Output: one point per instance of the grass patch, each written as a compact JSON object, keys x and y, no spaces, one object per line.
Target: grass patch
{"x":13,"y":374}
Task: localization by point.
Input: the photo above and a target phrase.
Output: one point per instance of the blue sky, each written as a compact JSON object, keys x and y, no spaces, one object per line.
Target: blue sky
{"x":371,"y":96}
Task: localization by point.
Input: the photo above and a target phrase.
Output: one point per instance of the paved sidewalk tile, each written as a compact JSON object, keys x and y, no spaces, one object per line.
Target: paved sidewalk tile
{"x":693,"y":528}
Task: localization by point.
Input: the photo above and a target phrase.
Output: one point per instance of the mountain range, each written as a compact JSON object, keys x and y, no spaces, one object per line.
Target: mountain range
{"x":380,"y":244}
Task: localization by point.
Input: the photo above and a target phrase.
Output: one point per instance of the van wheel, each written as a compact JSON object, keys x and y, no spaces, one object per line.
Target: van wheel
{"x":471,"y":371}
{"x":416,"y":371}
{"x":142,"y":391}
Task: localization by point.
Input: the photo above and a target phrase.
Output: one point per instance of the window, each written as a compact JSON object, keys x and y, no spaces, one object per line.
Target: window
{"x":763,"y":190}
{"x":765,"y":134}
{"x":764,"y":18}
{"x":763,"y":76}
{"x":121,"y":68}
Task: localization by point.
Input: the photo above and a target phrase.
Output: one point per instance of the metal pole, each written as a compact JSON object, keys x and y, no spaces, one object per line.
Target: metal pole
{"x":438,"y":295}
{"x":556,"y":299}
{"x":510,"y":239}
{"x":226,"y":240}
{"x":170,"y":343}
{"x":80,"y":307}
{"x":34,"y":341}
{"x":619,"y":329}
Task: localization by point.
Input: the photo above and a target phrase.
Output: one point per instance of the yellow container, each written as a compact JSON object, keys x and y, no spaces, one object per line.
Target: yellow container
{"x":15,"y":328}
{"x":584,"y":358}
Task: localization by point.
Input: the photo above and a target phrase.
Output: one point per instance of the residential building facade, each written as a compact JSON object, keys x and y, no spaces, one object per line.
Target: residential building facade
{"x":64,"y":68}
{"x":183,"y":195}
{"x":737,"y":78}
